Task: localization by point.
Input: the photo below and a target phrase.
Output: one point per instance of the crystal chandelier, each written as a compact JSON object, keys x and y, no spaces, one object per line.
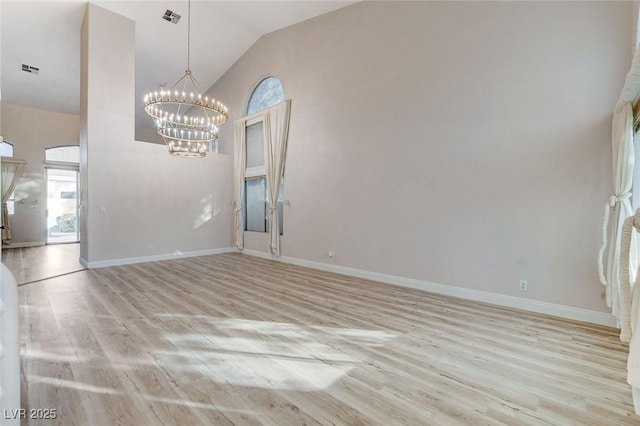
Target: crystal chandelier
{"x":187,"y":121}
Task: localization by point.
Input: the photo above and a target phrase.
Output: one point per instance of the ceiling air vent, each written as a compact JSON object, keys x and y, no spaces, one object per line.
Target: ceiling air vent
{"x":171,"y":16}
{"x":29,"y":68}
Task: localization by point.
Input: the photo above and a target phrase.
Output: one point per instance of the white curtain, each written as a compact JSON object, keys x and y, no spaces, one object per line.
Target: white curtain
{"x":625,"y":300}
{"x":276,"y":124}
{"x":630,"y":301}
{"x":11,"y":171}
{"x":240,"y":158}
{"x":631,"y":88}
{"x":620,"y":204}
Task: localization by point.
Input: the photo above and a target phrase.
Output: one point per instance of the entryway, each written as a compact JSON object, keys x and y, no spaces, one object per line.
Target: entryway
{"x":62,"y":188}
{"x":62,"y":206}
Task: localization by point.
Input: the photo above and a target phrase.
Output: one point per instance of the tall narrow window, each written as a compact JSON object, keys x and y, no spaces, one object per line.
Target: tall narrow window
{"x":267,"y":93}
{"x":255,"y":180}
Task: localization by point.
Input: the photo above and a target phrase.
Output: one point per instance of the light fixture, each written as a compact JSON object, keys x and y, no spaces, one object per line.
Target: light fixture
{"x":186,"y":119}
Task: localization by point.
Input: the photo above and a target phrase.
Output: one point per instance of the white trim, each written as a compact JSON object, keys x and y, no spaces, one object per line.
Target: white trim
{"x":156,"y":258}
{"x":22,"y":245}
{"x":563,"y":311}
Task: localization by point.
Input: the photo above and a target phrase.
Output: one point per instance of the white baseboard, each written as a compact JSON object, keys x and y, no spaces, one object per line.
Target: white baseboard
{"x":155,"y":258}
{"x":23,"y":245}
{"x":563,"y":311}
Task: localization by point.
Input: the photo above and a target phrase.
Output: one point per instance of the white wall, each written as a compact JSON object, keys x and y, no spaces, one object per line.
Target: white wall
{"x":153,"y":203}
{"x":463,"y":143}
{"x":0,"y":68}
{"x":31,"y":131}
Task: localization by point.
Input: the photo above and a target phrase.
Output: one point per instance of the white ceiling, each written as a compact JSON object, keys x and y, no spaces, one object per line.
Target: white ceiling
{"x":46,"y":34}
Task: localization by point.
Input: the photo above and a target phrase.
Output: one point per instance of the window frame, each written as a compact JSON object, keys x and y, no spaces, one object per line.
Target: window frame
{"x":11,"y":202}
{"x":255,"y":171}
{"x":253,"y":92}
{"x":13,"y":148}
{"x":265,"y":201}
{"x":56,"y":163}
{"x":258,"y":172}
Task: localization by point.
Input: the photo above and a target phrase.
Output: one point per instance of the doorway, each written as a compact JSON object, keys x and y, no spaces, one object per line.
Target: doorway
{"x":62,"y":206}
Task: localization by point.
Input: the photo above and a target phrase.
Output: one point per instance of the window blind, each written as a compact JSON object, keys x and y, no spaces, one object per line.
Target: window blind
{"x":255,"y":145}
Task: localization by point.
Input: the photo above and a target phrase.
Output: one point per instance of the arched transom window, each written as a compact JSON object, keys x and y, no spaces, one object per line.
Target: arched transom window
{"x":267,"y":93}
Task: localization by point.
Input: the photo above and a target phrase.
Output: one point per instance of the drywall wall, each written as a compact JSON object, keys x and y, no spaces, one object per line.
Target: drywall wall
{"x":461,"y":143}
{"x":137,"y":199}
{"x":634,"y":16}
{"x":31,"y":131}
{"x":0,"y":69}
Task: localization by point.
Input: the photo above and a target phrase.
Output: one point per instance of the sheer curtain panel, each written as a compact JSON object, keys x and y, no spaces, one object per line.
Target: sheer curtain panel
{"x":622,"y":295}
{"x":240,"y":159}
{"x":620,"y":204}
{"x":631,"y":89}
{"x":11,"y":171}
{"x":277,"y":133}
{"x":630,"y":302}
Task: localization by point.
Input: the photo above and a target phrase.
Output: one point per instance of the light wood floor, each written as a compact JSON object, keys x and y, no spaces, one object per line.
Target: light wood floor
{"x":36,"y":263}
{"x":237,"y":340}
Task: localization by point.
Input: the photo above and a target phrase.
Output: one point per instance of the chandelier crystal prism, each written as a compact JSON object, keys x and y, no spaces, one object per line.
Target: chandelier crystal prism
{"x":187,"y":120}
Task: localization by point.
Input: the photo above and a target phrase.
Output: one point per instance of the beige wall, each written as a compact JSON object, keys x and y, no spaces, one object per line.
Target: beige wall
{"x":137,"y":199}
{"x":31,"y":131}
{"x":463,"y":143}
{"x":634,"y":17}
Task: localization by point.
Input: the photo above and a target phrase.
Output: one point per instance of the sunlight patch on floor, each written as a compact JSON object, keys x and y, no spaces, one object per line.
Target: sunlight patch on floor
{"x":264,"y":354}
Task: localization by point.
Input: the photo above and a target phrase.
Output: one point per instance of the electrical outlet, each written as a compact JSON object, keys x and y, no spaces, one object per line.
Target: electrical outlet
{"x":332,"y":255}
{"x":152,"y":249}
{"x":524,"y":285}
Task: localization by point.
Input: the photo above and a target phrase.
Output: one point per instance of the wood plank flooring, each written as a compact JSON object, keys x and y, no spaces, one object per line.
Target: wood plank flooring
{"x":237,"y":340}
{"x":30,"y":264}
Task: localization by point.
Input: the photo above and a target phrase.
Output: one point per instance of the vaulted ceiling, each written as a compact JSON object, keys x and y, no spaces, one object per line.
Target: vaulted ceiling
{"x":46,"y":35}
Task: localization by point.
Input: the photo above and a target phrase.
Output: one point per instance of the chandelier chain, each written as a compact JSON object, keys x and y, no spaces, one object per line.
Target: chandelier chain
{"x":189,"y":36}
{"x":185,"y":117}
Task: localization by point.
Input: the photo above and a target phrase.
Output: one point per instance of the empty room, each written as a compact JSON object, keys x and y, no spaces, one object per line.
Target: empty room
{"x":319,"y":213}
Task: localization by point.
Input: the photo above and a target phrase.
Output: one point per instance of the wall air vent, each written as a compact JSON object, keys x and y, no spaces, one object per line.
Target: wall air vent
{"x":29,"y":68}
{"x":171,"y":16}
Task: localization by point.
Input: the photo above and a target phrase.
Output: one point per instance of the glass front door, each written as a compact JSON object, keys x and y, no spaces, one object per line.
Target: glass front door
{"x":62,"y":206}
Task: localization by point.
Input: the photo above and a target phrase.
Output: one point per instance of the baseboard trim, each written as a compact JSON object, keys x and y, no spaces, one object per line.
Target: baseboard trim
{"x":24,"y":245}
{"x":569,"y":312}
{"x":155,"y":258}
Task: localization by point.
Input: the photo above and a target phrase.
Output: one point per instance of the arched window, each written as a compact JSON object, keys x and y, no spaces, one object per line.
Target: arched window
{"x":6,"y":149}
{"x":267,"y":93}
{"x":62,"y":154}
